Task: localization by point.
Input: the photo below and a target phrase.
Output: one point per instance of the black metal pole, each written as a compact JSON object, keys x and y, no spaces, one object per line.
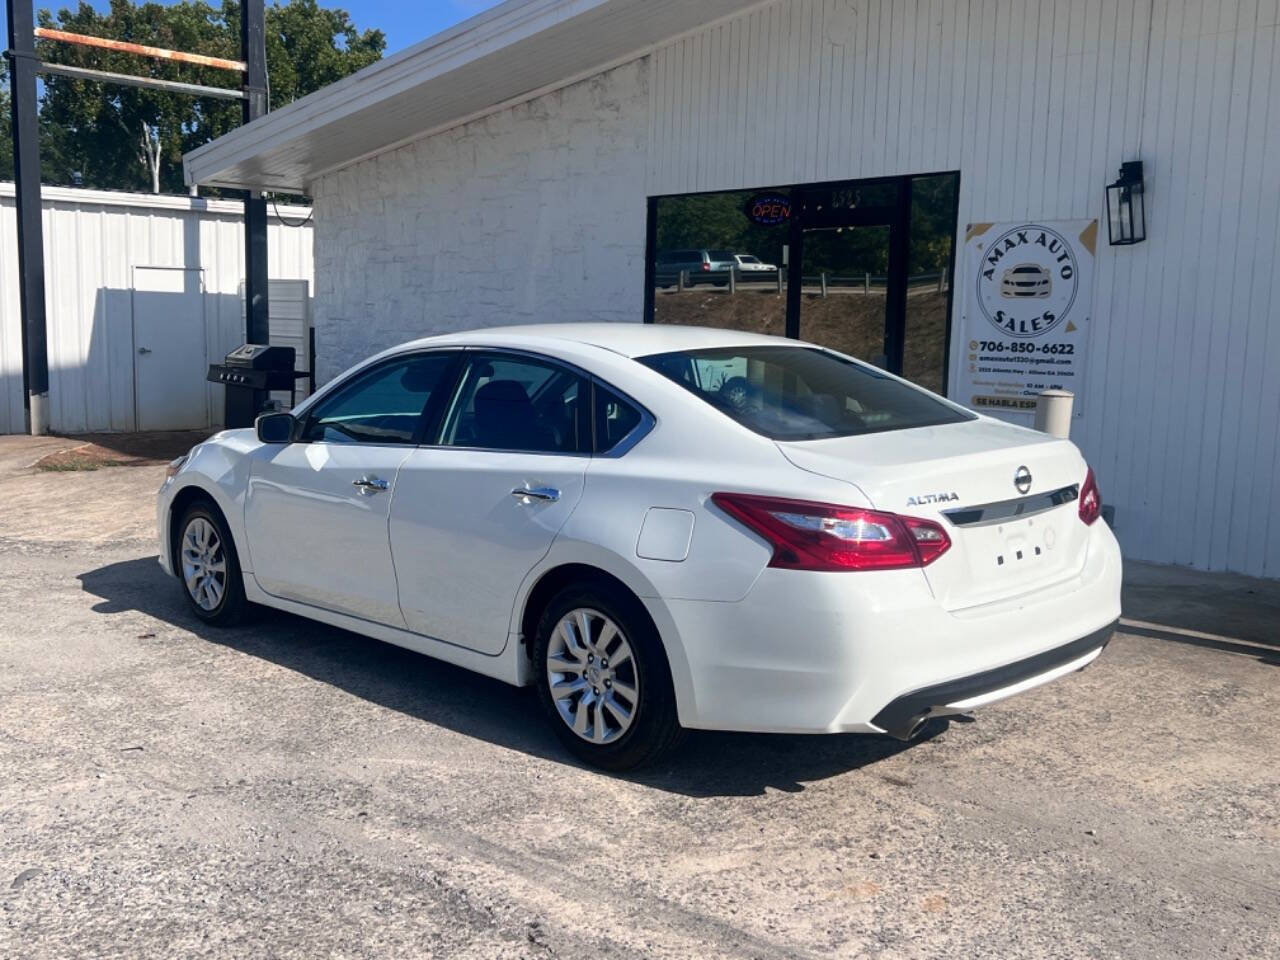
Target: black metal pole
{"x":26,"y":169}
{"x":650,"y":260}
{"x":794,"y":266}
{"x":253,"y":45}
{"x":896,"y":287}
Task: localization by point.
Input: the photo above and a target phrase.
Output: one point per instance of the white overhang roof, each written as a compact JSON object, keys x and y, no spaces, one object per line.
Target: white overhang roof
{"x":514,"y":51}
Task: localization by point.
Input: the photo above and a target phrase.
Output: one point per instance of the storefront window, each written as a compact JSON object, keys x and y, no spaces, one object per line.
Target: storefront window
{"x":862,"y":267}
{"x":700,"y":240}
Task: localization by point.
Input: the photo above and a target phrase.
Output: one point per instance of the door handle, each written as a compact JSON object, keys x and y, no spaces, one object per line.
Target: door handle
{"x":528,"y":494}
{"x":370,"y":485}
{"x":143,"y":351}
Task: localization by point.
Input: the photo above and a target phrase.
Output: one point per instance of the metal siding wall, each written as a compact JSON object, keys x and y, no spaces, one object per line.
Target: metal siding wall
{"x":1037,"y":102}
{"x":92,"y":243}
{"x":11,"y":400}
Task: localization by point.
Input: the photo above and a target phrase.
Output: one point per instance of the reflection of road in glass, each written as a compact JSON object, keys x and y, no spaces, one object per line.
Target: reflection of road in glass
{"x":846,"y":323}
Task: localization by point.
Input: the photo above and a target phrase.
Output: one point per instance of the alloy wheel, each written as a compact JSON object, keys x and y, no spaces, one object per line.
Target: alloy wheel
{"x":204,"y":564}
{"x":592,"y":676}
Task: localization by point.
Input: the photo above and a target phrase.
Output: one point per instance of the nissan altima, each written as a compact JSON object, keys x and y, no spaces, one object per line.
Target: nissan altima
{"x":661,"y":528}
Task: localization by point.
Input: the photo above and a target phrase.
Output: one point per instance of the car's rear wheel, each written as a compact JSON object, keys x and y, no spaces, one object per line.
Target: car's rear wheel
{"x":603,"y":678}
{"x":208,"y":566}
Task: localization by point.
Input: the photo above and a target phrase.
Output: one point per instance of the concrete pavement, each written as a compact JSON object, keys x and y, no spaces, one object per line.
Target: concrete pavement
{"x":291,"y":790}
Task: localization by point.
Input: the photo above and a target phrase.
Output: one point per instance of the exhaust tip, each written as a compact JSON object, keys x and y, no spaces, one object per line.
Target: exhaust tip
{"x":909,"y":729}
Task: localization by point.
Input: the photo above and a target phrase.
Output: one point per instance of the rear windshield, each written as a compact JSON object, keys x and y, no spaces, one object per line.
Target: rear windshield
{"x":802,"y":393}
{"x":721,"y":254}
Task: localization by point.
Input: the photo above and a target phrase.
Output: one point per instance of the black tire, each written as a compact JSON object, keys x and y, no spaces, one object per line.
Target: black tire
{"x":231,"y":605}
{"x":654,"y":728}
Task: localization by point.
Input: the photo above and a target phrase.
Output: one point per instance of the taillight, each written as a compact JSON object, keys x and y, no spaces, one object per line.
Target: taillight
{"x":822,"y":536}
{"x":1090,"y":499}
{"x":706,"y":266}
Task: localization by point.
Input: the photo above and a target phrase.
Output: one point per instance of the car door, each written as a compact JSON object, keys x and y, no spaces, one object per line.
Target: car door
{"x":317,"y":509}
{"x":477,"y":509}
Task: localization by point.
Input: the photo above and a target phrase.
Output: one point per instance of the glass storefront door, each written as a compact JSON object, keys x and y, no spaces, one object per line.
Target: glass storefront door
{"x":843,"y":290}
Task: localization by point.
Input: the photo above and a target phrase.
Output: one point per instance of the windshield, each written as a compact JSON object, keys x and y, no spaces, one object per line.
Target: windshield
{"x":802,"y":393}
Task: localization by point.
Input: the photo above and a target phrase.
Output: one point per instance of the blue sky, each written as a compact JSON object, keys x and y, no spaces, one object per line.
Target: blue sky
{"x":405,"y":22}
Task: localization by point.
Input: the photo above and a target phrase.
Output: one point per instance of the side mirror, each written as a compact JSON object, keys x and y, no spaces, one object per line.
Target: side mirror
{"x":276,"y":428}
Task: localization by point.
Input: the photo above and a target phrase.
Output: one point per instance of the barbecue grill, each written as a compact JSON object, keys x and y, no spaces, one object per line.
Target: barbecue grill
{"x":249,"y":373}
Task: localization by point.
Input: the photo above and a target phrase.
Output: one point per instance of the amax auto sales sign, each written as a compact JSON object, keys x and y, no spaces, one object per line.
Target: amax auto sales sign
{"x":1027,"y":305}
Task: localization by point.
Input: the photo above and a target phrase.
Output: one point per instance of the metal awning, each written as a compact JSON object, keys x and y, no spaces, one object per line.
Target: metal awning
{"x":514,"y":51}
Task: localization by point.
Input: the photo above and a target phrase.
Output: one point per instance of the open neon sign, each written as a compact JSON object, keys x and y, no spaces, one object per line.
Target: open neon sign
{"x":769,"y":209}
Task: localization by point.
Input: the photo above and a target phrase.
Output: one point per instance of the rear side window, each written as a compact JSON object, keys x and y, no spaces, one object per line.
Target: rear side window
{"x":614,"y":419}
{"x":801,"y":393}
{"x":519,"y":404}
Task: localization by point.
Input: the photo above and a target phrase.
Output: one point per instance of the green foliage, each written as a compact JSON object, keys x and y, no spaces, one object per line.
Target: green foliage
{"x":6,"y":135}
{"x":933,"y":223}
{"x":98,"y":134}
{"x":717,"y":221}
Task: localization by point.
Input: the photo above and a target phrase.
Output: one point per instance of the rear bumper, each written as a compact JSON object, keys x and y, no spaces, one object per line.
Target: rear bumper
{"x":904,"y":715}
{"x":839,"y":652}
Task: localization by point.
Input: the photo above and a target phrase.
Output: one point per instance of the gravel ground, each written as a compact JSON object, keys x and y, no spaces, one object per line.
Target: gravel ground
{"x":291,"y":790}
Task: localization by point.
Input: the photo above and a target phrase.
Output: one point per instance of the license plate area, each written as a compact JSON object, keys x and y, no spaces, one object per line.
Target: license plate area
{"x":1018,"y":550}
{"x":1011,"y":547}
{"x":997,"y":561}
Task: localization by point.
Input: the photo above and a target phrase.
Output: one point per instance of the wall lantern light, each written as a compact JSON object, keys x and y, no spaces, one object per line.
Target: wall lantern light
{"x":1126,"y":206}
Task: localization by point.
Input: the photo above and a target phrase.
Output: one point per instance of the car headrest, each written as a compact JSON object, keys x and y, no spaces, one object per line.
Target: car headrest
{"x":420,"y":376}
{"x":497,"y":392}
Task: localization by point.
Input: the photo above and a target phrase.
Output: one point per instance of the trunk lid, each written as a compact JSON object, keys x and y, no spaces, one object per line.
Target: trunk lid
{"x":1007,"y":540}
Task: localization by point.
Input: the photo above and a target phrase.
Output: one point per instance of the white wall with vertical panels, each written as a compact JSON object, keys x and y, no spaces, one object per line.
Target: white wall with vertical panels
{"x":92,"y":242}
{"x":1036,"y":103}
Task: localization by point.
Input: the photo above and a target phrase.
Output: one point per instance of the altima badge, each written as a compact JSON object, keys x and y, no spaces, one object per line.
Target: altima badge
{"x":1022,"y":480}
{"x":921,"y":500}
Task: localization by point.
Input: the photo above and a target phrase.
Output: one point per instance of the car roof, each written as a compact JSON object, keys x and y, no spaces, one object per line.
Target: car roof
{"x":627,"y":339}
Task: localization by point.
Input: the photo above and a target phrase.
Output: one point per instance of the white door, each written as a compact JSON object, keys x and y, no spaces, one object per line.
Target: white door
{"x":169,"y":364}
{"x":474,"y":514}
{"x":316,"y":510}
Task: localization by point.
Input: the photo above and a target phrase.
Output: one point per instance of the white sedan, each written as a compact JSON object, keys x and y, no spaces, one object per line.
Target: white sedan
{"x":662,"y":528}
{"x":746,"y":263}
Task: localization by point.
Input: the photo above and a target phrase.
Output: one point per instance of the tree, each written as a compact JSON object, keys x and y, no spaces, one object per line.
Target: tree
{"x":126,"y":138}
{"x":6,"y":134}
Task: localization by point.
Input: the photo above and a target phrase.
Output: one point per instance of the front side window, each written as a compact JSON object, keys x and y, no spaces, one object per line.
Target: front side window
{"x":520,"y":404}
{"x":382,"y":405}
{"x":801,"y":393}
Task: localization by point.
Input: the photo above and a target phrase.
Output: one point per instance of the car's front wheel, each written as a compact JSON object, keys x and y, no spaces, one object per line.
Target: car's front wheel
{"x":208,"y":566}
{"x":603,"y":678}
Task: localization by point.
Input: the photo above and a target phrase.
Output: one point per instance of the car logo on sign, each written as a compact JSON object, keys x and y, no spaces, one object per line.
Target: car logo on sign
{"x":1028,"y":281}
{"x":1022,"y":480}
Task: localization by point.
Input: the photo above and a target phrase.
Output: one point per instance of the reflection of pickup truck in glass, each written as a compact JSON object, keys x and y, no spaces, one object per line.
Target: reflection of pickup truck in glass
{"x":1026,"y":280}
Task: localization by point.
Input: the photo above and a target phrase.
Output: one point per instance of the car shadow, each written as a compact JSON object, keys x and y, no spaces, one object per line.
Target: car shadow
{"x":706,"y":765}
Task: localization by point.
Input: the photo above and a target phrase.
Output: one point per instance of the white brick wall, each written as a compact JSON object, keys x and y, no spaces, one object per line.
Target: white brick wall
{"x":534,"y":214}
